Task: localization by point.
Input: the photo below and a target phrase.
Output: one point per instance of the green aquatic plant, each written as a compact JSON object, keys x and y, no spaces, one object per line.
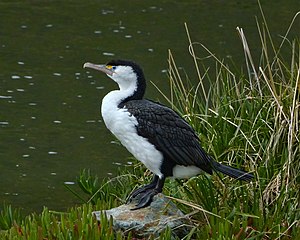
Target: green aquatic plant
{"x":9,"y":216}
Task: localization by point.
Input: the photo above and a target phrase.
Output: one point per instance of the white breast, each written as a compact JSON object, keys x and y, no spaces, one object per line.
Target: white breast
{"x":123,"y":126}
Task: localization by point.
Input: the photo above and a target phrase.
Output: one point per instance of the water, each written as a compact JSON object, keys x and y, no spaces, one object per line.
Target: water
{"x":50,"y":126}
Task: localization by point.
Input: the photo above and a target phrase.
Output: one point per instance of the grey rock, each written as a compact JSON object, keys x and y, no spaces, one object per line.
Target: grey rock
{"x":152,"y":220}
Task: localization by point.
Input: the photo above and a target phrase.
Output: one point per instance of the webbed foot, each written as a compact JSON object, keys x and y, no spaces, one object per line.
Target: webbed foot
{"x":145,"y":198}
{"x":145,"y":194}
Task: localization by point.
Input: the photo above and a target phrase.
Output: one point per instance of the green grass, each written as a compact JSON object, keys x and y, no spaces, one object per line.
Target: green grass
{"x":249,"y":120}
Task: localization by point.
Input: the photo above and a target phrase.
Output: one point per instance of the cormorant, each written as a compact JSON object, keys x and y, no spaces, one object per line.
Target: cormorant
{"x":153,"y":133}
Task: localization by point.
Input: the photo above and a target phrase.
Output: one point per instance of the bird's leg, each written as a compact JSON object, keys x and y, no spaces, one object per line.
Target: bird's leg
{"x":142,"y":189}
{"x":148,"y":194}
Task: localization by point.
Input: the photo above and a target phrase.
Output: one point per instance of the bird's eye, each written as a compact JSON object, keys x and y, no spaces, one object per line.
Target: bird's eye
{"x":110,"y":67}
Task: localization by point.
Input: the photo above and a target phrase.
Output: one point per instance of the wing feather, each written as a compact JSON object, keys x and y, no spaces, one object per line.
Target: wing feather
{"x":170,"y":133}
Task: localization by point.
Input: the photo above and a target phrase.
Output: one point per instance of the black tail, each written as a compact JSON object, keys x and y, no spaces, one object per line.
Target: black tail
{"x":233,"y":172}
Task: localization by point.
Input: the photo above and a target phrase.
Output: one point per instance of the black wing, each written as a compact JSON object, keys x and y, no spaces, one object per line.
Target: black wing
{"x":170,"y":133}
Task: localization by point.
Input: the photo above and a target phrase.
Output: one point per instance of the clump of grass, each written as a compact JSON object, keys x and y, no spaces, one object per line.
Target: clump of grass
{"x":110,"y":191}
{"x":250,"y":121}
{"x":9,"y":217}
{"x":78,"y":223}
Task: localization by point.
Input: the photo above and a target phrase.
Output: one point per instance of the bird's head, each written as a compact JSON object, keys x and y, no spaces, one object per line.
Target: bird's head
{"x":126,"y":74}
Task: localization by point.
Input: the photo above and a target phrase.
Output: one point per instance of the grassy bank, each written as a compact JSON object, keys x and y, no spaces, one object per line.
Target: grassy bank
{"x":249,"y":120}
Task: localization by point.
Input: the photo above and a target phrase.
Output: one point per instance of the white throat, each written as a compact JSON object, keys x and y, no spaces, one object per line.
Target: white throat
{"x":125,"y":77}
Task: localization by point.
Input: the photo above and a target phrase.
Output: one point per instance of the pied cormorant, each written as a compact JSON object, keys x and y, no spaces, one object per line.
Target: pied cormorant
{"x":153,"y":133}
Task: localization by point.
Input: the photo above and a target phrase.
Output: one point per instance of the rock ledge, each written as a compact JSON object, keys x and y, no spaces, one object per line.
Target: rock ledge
{"x":152,"y":220}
